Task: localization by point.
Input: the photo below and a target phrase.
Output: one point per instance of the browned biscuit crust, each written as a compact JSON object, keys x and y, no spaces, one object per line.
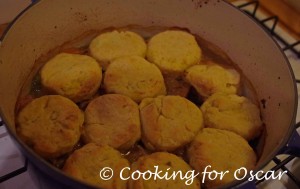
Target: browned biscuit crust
{"x":112,"y":119}
{"x":166,"y":163}
{"x":86,"y":163}
{"x":111,"y":45}
{"x":173,"y":51}
{"x":233,"y":113}
{"x":74,"y":76}
{"x":223,"y":151}
{"x":169,"y":122}
{"x":51,"y":125}
{"x":208,"y":79}
{"x":135,"y":77}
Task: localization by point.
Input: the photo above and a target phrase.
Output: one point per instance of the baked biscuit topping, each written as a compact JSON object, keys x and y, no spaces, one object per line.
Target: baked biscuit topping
{"x":84,"y":164}
{"x":135,"y":77}
{"x":169,"y":122}
{"x":223,"y":151}
{"x":74,"y":76}
{"x":234,"y":113}
{"x":112,"y":119}
{"x":166,"y":163}
{"x":50,"y":125}
{"x":173,"y":51}
{"x":115,"y":44}
{"x":208,"y":79}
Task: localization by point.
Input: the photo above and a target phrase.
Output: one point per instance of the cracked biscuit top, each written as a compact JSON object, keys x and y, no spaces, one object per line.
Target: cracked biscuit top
{"x":50,"y":125}
{"x":211,"y":78}
{"x":234,"y":113}
{"x":112,"y":119}
{"x":169,"y":122}
{"x":135,"y":77}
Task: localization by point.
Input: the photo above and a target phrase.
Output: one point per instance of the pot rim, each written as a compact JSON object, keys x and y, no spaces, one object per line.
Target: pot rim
{"x":30,"y":154}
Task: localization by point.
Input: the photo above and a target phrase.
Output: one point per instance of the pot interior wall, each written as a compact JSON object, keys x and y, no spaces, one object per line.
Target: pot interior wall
{"x":50,"y":23}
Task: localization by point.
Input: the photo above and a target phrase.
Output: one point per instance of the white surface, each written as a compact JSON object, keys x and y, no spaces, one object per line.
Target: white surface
{"x":11,"y":159}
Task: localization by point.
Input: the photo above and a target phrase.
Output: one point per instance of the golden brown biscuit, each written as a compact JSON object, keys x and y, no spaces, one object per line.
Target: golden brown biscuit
{"x":111,"y":45}
{"x":173,"y":51}
{"x":212,"y":78}
{"x":169,"y":122}
{"x":167,"y":163}
{"x":112,"y":119}
{"x":135,"y":77}
{"x":223,"y":151}
{"x":234,"y":113}
{"x":86,"y":163}
{"x":74,"y":76}
{"x":50,"y":125}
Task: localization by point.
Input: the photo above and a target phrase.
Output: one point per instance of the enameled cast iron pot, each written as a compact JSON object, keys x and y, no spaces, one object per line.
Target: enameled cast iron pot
{"x":49,"y":23}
